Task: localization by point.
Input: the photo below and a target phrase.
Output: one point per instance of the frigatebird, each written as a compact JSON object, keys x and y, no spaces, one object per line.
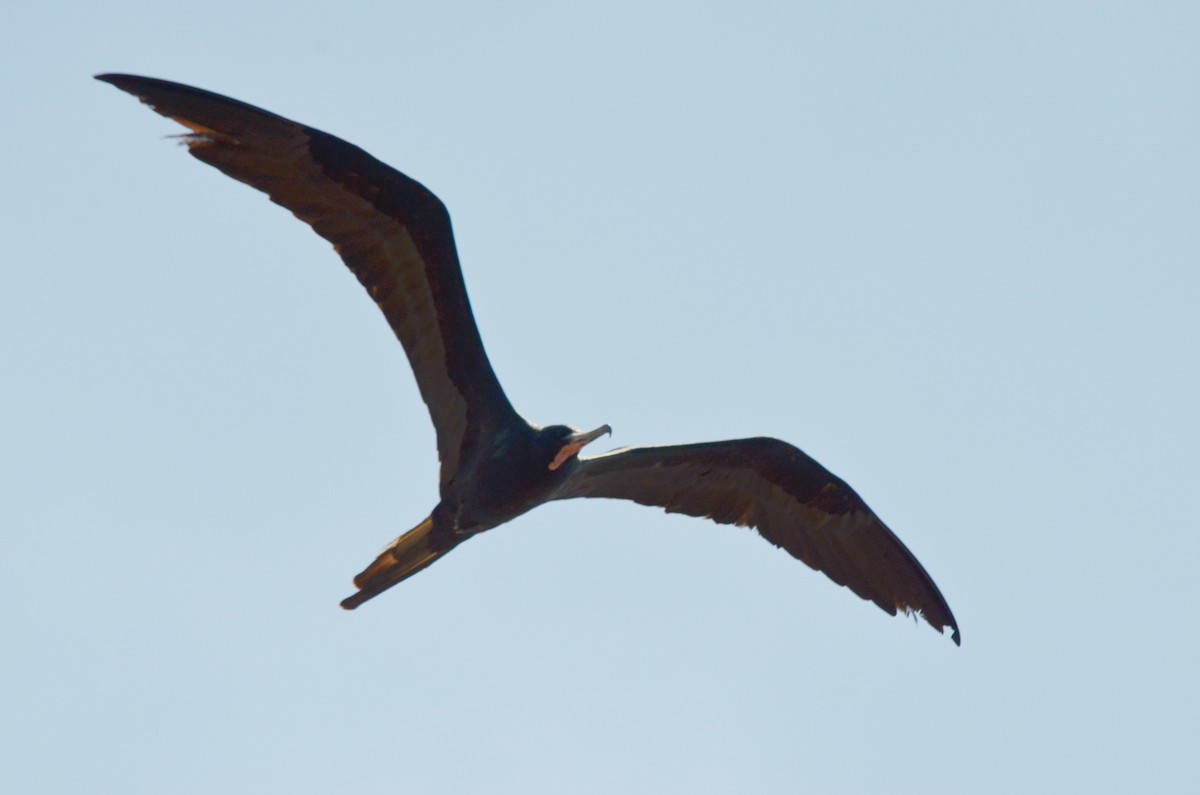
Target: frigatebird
{"x":395,"y":236}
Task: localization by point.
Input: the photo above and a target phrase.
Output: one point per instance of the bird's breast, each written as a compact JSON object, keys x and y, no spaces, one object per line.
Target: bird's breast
{"x":498,"y":489}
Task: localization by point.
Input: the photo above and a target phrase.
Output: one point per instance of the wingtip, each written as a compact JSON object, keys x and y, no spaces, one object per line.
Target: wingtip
{"x":117,"y":79}
{"x":132,"y":84}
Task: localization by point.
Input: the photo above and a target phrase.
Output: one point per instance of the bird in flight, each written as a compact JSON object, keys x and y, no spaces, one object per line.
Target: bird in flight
{"x":395,"y":236}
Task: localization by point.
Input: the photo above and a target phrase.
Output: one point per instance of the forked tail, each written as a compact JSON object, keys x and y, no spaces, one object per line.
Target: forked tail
{"x":407,"y":555}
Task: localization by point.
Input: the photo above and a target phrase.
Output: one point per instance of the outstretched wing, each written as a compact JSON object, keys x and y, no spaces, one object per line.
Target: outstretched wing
{"x":793,"y":501}
{"x":391,"y":231}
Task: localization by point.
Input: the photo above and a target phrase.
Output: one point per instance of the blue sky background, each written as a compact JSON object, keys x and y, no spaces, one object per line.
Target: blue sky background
{"x":948,"y":249}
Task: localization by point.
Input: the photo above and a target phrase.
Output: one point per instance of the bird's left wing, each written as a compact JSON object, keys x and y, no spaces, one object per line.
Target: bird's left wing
{"x":793,"y":501}
{"x":392,"y":232}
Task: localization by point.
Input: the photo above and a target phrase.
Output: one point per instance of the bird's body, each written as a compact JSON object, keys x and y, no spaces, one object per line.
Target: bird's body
{"x":517,"y":469}
{"x":395,"y":236}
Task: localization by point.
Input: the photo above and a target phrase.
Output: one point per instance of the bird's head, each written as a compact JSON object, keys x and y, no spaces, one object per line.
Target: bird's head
{"x":558,"y":444}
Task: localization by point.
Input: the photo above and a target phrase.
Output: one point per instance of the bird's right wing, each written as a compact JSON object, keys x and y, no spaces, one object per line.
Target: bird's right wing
{"x":793,"y":501}
{"x":391,"y":232}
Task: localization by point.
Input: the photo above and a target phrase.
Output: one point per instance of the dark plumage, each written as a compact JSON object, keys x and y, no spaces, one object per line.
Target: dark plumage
{"x":395,"y":236}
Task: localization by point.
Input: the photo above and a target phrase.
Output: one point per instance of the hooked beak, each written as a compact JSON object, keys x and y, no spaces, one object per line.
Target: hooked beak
{"x":575,"y":442}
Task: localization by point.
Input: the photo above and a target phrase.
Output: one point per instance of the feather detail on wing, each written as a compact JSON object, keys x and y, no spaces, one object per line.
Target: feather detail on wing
{"x":392,"y":233}
{"x":791,"y":500}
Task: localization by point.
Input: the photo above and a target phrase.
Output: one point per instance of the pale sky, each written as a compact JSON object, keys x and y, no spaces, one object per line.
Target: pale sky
{"x":948,"y":249}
